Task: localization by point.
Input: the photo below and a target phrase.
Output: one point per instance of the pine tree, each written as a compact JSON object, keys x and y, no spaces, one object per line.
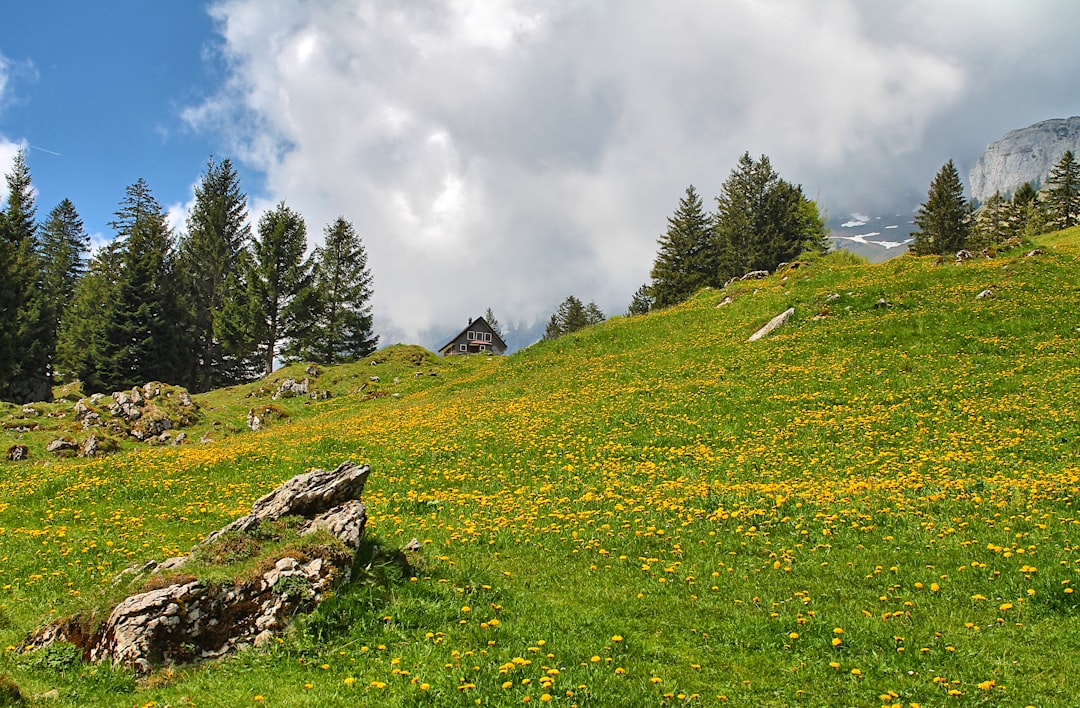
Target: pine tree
{"x":686,"y":260}
{"x":995,"y":223}
{"x":210,"y":253}
{"x":83,"y":351}
{"x":489,"y":317}
{"x":641,"y":302}
{"x":1031,"y":218}
{"x":593,"y":314}
{"x":144,"y":331}
{"x":944,"y":219}
{"x":571,"y":316}
{"x":343,"y":324}
{"x":64,"y":248}
{"x":25,"y":313}
{"x":763,"y":220}
{"x":282,"y":282}
{"x":1063,"y":192}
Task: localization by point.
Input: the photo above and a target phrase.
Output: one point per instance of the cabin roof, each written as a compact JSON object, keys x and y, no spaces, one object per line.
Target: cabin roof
{"x":472,"y":326}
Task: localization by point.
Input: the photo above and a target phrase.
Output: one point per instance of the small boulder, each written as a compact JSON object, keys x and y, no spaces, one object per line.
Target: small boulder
{"x":985,"y":294}
{"x":89,"y":447}
{"x":61,"y":444}
{"x":773,"y":324}
{"x":15,"y":453}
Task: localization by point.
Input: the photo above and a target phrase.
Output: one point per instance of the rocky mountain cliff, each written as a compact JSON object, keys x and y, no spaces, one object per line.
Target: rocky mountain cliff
{"x":1024,"y":155}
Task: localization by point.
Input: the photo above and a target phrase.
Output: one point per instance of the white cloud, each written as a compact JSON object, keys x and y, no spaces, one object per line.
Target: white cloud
{"x":507,"y":153}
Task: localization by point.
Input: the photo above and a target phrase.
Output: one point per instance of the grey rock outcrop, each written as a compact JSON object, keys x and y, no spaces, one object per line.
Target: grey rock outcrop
{"x":309,"y":495}
{"x":185,"y":619}
{"x":1024,"y":155}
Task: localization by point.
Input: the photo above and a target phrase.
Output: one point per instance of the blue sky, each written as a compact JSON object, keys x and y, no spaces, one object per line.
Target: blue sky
{"x":96,"y":90}
{"x":508,"y":153}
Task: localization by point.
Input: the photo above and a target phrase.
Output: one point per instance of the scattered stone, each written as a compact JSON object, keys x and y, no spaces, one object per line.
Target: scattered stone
{"x":985,"y":294}
{"x":29,"y":412}
{"x":726,"y":301}
{"x":292,"y":387}
{"x":89,"y":448}
{"x":755,"y":275}
{"x":963,"y":255}
{"x":412,"y":546}
{"x":51,"y":695}
{"x":881,"y":303}
{"x":205,"y":439}
{"x":374,"y":379}
{"x":1032,"y":254}
{"x":82,"y":410}
{"x":180,"y":439}
{"x":313,"y":371}
{"x":15,"y":453}
{"x":773,"y":324}
{"x":832,"y":298}
{"x":254,"y":421}
{"x":61,"y":444}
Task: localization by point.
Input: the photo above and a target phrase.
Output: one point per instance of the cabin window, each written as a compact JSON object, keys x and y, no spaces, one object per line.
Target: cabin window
{"x":471,"y":335}
{"x":483,"y":347}
{"x":463,"y":347}
{"x":487,"y":336}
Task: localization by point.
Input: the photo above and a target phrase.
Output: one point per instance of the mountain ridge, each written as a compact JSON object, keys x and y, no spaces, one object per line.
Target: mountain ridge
{"x":1023,"y":155}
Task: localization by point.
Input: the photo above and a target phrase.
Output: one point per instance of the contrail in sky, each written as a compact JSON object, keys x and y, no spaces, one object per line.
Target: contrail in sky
{"x":35,"y":147}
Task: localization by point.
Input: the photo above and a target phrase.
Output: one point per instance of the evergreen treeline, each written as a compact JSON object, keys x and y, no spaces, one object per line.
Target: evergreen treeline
{"x":212,"y":306}
{"x":760,"y":222}
{"x":571,"y":316}
{"x":947,"y":221}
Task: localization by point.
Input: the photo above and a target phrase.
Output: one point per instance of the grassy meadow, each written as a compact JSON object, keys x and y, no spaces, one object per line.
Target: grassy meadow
{"x":876,"y":505}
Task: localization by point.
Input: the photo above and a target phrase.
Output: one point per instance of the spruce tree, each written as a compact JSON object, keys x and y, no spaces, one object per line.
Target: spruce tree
{"x":281,"y":282}
{"x":342,"y":328}
{"x":64,"y":248}
{"x":210,"y":263}
{"x":763,"y":220}
{"x":944,"y":219}
{"x":995,"y":223}
{"x":571,"y":316}
{"x":686,"y":260}
{"x":496,"y":326}
{"x":1063,"y":192}
{"x":641,"y":302}
{"x":83,"y":351}
{"x":1028,"y":211}
{"x":593,"y":314}
{"x":25,"y":313}
{"x":144,"y":329}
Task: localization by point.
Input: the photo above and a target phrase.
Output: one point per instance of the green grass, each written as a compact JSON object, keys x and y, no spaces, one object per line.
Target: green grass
{"x":651,"y":511}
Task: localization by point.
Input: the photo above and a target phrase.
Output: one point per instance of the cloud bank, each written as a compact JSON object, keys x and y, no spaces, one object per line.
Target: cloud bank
{"x":507,"y":153}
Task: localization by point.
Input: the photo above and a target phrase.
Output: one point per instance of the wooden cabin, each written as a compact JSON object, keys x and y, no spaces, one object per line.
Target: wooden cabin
{"x":477,"y":338}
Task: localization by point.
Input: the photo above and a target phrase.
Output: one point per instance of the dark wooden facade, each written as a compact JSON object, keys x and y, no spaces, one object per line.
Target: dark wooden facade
{"x":477,"y":338}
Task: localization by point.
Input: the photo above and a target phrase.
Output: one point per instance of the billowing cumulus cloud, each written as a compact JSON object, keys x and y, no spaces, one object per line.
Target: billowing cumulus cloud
{"x":507,"y":153}
{"x":8,"y":149}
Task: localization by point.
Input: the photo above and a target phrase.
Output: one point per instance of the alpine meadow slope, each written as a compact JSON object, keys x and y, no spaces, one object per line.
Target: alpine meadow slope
{"x":875,"y":505}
